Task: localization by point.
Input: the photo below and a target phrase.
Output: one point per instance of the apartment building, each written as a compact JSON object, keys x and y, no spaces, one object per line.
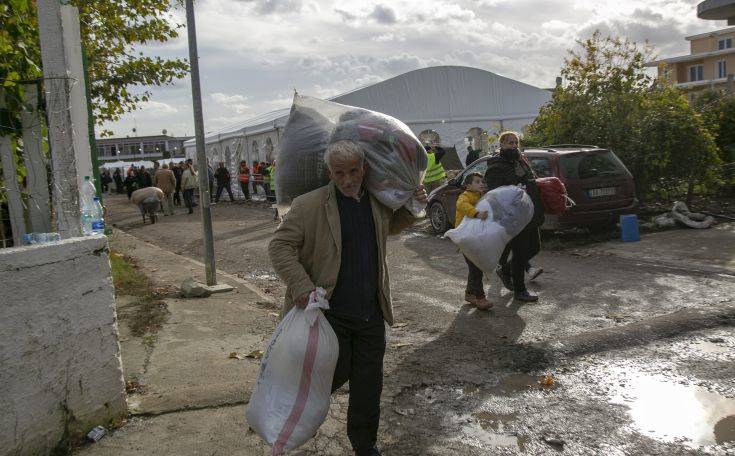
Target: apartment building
{"x":710,"y":61}
{"x":141,"y":148}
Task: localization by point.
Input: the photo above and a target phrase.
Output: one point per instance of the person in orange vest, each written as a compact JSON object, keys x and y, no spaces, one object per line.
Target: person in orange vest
{"x":245,"y":179}
{"x":257,"y":176}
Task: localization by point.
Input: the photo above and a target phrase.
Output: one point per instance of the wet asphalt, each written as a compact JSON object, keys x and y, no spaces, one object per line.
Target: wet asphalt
{"x":618,"y":357}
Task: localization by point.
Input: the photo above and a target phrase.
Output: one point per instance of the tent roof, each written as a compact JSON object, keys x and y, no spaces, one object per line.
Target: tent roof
{"x":432,"y":95}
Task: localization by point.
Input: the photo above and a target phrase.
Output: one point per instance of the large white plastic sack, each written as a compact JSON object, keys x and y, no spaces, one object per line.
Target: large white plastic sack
{"x":509,"y":209}
{"x":291,"y":399}
{"x":396,"y":159}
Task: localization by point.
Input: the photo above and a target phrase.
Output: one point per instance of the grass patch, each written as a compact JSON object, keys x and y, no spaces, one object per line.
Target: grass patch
{"x":148,"y":311}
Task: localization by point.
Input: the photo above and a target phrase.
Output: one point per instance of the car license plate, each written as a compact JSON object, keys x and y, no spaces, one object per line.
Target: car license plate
{"x":598,"y":192}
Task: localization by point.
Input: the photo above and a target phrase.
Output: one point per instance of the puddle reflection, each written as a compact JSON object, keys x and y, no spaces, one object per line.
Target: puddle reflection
{"x":673,"y":412}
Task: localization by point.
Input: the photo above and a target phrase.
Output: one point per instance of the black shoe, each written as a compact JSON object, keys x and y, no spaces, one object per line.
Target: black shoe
{"x":505,"y":278}
{"x":191,"y":211}
{"x":525,"y":296}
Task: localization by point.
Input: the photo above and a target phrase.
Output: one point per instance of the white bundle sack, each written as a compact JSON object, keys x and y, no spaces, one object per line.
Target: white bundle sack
{"x":138,"y":196}
{"x":291,"y":399}
{"x":509,"y":210}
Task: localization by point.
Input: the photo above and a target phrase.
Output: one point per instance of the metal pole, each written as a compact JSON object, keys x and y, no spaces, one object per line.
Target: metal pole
{"x":204,"y":199}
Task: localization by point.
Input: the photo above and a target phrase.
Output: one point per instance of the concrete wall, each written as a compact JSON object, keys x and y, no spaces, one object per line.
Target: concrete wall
{"x":60,"y":368}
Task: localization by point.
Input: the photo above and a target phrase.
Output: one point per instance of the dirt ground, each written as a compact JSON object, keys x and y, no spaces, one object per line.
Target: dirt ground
{"x":622,"y":355}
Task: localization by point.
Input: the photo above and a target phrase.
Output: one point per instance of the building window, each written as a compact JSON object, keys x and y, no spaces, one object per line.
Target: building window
{"x":721,"y":69}
{"x":724,"y":43}
{"x":696,"y":73}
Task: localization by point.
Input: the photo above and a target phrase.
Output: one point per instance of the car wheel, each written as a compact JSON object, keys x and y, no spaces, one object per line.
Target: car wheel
{"x":438,"y":218}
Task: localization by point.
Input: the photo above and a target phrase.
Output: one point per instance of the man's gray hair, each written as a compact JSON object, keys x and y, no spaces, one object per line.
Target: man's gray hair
{"x":165,"y":166}
{"x":344,"y":150}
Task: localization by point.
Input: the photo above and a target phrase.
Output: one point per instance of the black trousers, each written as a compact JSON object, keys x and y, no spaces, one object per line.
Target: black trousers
{"x":177,"y":197}
{"x":245,"y":190}
{"x":361,"y":350}
{"x":524,"y":247}
{"x":474,"y":280}
{"x":224,"y":186}
{"x":189,"y":199}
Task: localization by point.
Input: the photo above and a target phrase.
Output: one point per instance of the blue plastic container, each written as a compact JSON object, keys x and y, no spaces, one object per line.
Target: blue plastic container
{"x":629,"y":228}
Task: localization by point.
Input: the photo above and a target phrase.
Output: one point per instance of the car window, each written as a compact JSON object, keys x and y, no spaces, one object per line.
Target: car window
{"x":587,"y":165}
{"x":541,"y":166}
{"x":479,"y":167}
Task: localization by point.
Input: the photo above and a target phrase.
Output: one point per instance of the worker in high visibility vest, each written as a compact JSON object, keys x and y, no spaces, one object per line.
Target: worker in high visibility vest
{"x":270,"y":182}
{"x":435,"y":176}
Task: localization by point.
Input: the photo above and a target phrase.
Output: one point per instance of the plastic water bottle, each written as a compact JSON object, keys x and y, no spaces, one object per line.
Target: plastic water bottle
{"x":93,"y":221}
{"x":87,"y":192}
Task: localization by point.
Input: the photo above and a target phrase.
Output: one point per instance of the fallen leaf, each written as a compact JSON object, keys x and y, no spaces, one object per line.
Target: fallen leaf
{"x":255,"y":354}
{"x":274,"y":314}
{"x":547,"y":380}
{"x":405,"y":412}
{"x":236,"y":355}
{"x":400,"y":325}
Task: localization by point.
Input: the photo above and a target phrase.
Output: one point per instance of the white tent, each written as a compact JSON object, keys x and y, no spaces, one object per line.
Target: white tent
{"x":451,"y":100}
{"x":112,"y":165}
{"x":125,"y":165}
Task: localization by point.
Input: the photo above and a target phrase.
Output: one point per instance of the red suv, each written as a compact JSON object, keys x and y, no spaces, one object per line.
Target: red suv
{"x":595,"y":178}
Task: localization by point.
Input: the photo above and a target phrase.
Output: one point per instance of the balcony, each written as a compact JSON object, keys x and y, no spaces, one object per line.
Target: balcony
{"x":718,"y":10}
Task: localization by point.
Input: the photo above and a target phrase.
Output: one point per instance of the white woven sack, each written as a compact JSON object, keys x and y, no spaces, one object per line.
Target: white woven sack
{"x":291,"y":399}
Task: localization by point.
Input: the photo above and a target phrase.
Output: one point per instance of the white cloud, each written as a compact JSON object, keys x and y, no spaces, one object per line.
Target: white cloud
{"x":235,"y":102}
{"x":385,"y":37}
{"x":156,"y":107}
{"x":253,"y":53}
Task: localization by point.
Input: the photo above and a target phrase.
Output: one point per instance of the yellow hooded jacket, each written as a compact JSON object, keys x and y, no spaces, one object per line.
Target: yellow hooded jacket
{"x":466,"y":206}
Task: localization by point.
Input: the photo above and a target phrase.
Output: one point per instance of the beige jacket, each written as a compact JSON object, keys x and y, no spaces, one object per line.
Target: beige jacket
{"x":165,"y":180}
{"x":189,"y":179}
{"x":307,"y":247}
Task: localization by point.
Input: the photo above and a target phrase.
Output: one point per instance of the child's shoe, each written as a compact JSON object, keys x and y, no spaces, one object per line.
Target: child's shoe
{"x":479,"y":301}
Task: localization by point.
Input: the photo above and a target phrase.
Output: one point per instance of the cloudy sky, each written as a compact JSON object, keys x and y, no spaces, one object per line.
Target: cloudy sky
{"x":253,"y":53}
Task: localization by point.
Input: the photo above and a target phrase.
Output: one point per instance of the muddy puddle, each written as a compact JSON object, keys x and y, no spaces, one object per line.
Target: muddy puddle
{"x":480,"y":415}
{"x":485,"y":430}
{"x":669,"y":411}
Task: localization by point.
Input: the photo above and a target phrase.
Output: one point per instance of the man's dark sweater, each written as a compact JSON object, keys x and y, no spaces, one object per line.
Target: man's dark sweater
{"x":356,"y":293}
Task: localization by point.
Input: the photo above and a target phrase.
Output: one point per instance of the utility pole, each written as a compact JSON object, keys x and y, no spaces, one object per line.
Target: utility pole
{"x":60,"y":129}
{"x":204,"y":200}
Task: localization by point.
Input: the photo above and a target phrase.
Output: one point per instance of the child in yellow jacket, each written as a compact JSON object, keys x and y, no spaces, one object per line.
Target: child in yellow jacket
{"x":474,"y":186}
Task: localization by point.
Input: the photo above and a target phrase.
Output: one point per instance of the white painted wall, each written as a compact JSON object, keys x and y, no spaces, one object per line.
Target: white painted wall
{"x":60,"y":364}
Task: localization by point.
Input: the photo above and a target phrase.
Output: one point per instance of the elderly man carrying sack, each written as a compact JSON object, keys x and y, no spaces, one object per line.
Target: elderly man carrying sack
{"x":335,"y":238}
{"x":148,"y":200}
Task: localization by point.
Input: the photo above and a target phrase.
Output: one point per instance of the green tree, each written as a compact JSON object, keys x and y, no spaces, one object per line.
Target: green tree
{"x":718,"y":110}
{"x":112,"y":31}
{"x":609,"y":100}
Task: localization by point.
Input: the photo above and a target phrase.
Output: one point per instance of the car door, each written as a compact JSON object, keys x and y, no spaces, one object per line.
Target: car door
{"x":597,"y":180}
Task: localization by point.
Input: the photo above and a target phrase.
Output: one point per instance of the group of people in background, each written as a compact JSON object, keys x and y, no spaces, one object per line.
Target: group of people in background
{"x":260,"y":174}
{"x":179,"y":181}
